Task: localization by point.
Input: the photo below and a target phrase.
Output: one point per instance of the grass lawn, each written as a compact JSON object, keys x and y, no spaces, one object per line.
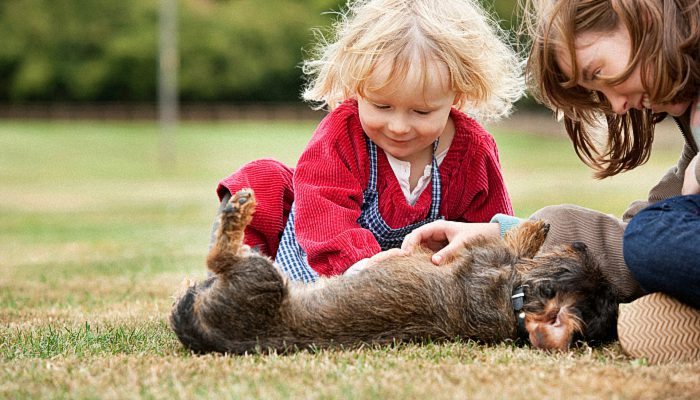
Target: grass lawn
{"x":96,"y":234}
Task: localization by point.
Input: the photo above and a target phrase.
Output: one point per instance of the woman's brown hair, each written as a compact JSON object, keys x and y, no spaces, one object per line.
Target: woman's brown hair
{"x":665,"y":44}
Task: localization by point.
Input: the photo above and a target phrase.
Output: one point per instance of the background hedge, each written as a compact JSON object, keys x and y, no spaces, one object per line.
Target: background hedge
{"x":103,"y":50}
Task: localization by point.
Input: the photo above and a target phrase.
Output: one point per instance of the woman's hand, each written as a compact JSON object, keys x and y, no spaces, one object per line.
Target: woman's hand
{"x":447,"y":238}
{"x":690,"y":181}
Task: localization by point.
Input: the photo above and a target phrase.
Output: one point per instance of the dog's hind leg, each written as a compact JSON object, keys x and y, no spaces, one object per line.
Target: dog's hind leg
{"x":229,"y":237}
{"x":236,"y":309}
{"x":526,"y":239}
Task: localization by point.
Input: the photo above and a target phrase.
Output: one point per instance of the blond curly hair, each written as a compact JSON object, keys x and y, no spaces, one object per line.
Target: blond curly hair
{"x":484,"y":70}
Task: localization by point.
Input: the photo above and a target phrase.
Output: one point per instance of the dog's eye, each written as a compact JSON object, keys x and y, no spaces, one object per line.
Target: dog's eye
{"x":547,"y":291}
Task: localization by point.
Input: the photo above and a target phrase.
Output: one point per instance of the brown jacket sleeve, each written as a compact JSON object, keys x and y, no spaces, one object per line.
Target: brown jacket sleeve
{"x":670,"y":185}
{"x":602,"y":233}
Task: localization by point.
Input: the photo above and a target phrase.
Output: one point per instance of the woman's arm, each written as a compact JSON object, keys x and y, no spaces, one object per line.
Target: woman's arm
{"x":670,"y":185}
{"x":602,"y":233}
{"x":691,"y":181}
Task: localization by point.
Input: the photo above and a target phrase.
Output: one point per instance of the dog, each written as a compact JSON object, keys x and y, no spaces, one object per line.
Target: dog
{"x":495,"y":290}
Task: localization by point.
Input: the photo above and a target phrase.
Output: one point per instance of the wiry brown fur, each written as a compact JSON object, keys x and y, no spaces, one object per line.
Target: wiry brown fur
{"x":248,"y":306}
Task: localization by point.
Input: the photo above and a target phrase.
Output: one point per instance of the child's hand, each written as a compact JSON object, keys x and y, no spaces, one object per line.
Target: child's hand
{"x":690,"y":181}
{"x":447,"y":237}
{"x":374,"y":260}
{"x":385,"y":255}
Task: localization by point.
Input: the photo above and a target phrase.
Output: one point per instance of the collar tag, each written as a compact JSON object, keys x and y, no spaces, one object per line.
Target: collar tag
{"x":518,"y":298}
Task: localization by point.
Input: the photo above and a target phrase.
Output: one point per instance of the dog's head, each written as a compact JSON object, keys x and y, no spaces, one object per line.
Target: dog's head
{"x":567,"y":298}
{"x":184,"y":321}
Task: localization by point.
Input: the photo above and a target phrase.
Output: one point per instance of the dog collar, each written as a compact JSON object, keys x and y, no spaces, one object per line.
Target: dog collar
{"x":518,"y":298}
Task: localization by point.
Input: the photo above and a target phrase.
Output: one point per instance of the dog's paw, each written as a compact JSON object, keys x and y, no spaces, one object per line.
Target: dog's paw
{"x":540,"y":229}
{"x":243,"y":199}
{"x":239,"y":210}
{"x":536,"y":229}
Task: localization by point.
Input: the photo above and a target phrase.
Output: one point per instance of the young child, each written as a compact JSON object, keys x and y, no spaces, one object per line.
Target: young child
{"x":635,"y":62}
{"x":396,"y":150}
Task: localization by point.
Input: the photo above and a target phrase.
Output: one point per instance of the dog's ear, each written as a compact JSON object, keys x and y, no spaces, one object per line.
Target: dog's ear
{"x":186,"y":322}
{"x":526,"y":239}
{"x":599,"y":310}
{"x":601,"y":314}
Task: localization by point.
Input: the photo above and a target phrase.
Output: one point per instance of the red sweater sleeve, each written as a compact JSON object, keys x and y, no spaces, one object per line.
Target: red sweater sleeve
{"x":328,"y":184}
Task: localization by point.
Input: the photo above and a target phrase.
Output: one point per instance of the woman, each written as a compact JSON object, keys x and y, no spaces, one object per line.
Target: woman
{"x":633,"y":63}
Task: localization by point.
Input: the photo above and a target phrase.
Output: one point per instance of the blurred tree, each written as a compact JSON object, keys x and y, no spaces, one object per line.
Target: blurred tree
{"x":258,"y":56}
{"x":73,"y":50}
{"x":505,"y":10}
{"x":230,"y":50}
{"x":76,"y":50}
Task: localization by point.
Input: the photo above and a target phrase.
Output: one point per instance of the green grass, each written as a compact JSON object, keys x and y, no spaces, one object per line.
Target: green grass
{"x":86,"y":340}
{"x":97,"y":233}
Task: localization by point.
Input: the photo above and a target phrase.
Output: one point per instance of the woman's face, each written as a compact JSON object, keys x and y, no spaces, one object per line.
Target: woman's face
{"x":605,"y":55}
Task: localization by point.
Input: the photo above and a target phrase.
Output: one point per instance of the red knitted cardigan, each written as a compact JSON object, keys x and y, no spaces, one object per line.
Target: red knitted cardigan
{"x":333,"y":172}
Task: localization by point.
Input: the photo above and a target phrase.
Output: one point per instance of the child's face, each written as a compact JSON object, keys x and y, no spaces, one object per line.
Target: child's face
{"x":402,"y":118}
{"x":605,"y":55}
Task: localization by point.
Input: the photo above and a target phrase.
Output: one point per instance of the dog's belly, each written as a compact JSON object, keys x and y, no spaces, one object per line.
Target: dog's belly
{"x":390,"y":302}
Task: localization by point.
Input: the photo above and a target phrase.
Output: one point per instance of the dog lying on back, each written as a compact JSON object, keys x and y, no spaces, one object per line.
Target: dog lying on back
{"x":494,"y":287}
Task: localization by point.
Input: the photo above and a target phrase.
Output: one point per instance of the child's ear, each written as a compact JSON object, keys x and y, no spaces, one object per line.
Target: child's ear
{"x":457,"y":100}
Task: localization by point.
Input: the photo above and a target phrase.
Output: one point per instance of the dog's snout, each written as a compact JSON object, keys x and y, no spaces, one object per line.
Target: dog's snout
{"x":579,"y":246}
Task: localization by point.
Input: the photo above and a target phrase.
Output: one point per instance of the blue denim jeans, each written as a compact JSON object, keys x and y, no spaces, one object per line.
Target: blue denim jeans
{"x":662,"y":248}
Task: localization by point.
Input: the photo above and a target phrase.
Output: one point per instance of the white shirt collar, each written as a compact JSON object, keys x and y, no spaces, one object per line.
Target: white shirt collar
{"x":402,"y":171}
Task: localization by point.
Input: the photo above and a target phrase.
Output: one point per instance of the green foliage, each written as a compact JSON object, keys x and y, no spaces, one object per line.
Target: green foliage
{"x":230,"y":50}
{"x":246,"y":49}
{"x":505,"y":11}
{"x":72,"y":50}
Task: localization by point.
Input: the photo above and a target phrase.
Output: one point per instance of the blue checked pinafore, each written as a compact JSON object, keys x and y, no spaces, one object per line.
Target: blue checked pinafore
{"x":291,"y":258}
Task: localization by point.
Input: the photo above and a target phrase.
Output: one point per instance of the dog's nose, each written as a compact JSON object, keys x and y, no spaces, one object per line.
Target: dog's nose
{"x":579,"y":246}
